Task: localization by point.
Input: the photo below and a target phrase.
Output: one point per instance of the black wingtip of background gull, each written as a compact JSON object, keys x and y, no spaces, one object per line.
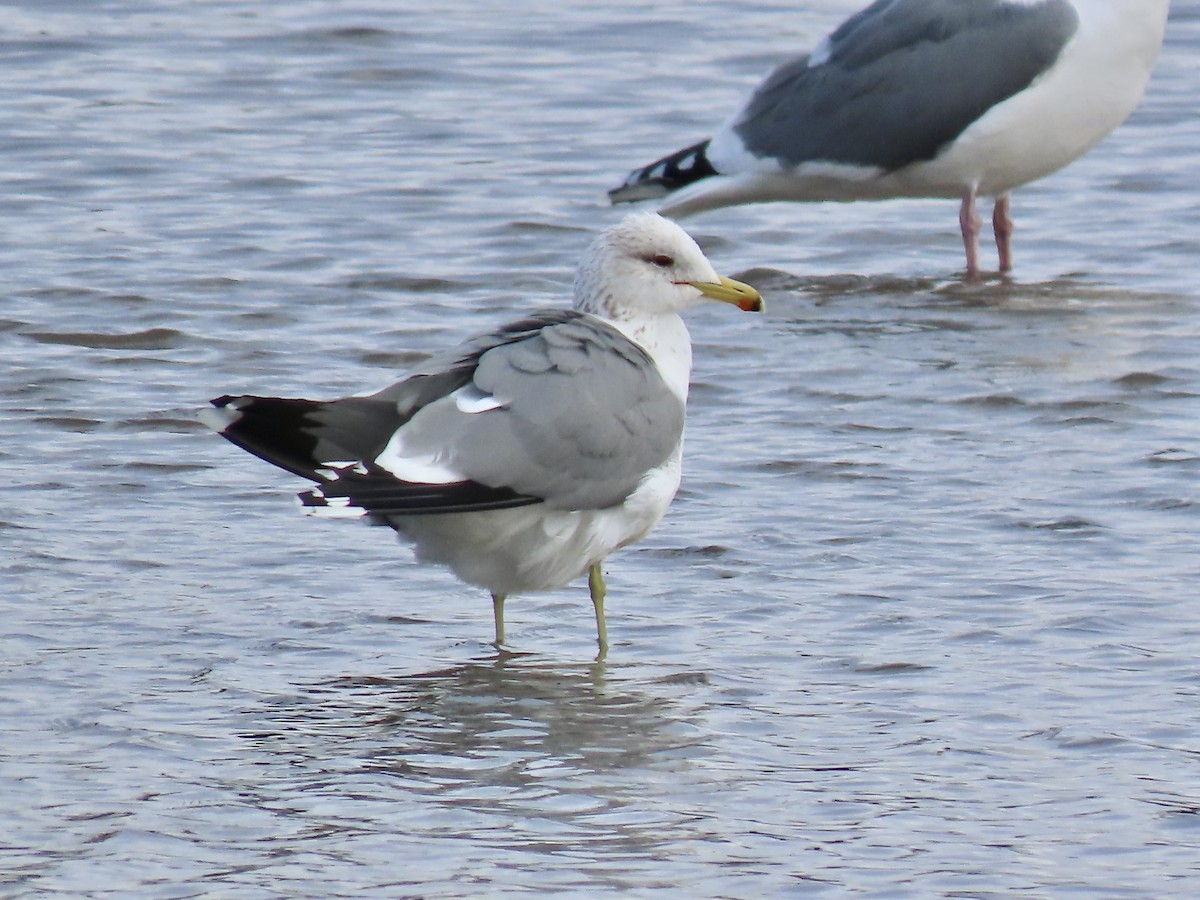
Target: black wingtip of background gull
{"x":665,"y":176}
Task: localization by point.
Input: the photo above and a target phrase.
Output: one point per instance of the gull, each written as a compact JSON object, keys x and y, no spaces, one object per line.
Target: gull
{"x":925,"y":98}
{"x":525,"y":456}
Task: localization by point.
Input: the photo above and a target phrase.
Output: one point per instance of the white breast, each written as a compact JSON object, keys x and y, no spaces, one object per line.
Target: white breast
{"x":532,"y":548}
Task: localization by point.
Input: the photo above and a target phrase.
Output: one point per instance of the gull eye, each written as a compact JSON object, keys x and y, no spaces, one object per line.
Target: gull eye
{"x":662,"y":260}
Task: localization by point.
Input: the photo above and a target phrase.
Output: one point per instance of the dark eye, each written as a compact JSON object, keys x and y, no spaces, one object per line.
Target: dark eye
{"x":662,"y":260}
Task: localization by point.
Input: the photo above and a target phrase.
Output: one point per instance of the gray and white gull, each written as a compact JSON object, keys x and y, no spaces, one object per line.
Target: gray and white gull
{"x":925,"y":98}
{"x":525,"y":456}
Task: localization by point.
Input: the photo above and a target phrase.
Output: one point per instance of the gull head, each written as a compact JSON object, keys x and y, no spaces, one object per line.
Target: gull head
{"x":647,"y":266}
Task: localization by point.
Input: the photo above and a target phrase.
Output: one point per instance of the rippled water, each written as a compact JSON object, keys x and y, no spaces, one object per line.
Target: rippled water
{"x":921,"y":622}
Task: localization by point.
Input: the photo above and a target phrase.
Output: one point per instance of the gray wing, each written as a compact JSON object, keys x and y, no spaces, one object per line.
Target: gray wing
{"x":574,"y":414}
{"x":559,"y":408}
{"x":898,"y":81}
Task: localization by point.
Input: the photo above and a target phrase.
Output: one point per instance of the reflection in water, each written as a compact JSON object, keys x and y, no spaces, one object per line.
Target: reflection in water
{"x":515,"y":742}
{"x":1066,"y":291}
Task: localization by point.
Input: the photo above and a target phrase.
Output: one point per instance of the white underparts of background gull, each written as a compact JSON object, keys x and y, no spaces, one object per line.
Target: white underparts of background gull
{"x":525,"y":456}
{"x":925,"y":98}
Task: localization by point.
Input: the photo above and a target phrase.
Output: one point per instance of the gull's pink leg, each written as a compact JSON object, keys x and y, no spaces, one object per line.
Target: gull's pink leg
{"x":1002,"y":225}
{"x":970,"y":223}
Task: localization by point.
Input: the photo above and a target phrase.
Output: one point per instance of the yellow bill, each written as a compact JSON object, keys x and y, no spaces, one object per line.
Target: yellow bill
{"x":727,"y":290}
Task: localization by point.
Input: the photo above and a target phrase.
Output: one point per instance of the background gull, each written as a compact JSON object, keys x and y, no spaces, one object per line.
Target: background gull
{"x":925,"y":98}
{"x":527,"y":455}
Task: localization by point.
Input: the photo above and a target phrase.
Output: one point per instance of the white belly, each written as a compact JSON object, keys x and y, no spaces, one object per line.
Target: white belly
{"x":1094,"y":87}
{"x":532,"y":548}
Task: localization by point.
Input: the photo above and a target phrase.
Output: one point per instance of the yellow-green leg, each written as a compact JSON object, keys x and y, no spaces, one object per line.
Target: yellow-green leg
{"x":498,"y":617}
{"x":598,"y":589}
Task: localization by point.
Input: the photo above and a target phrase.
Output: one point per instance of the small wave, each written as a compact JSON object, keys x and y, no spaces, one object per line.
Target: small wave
{"x":147,"y":339}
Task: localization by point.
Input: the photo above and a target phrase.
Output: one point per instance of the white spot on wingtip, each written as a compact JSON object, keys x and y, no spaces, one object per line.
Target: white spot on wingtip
{"x":334,"y":512}
{"x":218,"y":418}
{"x":334,"y":469}
{"x":331,"y":507}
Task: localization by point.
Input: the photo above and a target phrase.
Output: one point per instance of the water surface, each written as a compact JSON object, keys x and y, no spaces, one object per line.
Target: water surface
{"x":921,"y":622}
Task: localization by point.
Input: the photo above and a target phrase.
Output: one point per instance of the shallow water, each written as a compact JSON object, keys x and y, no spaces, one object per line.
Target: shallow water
{"x":921,"y":622}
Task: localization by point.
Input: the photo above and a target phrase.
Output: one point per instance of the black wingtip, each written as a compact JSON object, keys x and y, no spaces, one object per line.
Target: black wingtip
{"x":275,"y":429}
{"x":668,"y":174}
{"x":378,"y":494}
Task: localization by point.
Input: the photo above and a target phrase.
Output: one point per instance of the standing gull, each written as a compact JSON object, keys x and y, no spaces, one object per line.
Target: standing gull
{"x":925,"y":98}
{"x":525,"y":456}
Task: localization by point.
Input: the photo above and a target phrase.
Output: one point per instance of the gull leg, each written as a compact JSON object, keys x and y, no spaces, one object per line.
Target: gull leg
{"x":1002,"y":225}
{"x":598,"y":589}
{"x":498,"y":617}
{"x":970,"y":223}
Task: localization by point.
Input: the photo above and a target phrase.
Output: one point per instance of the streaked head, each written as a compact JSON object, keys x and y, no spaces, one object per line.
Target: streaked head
{"x":648,"y":265}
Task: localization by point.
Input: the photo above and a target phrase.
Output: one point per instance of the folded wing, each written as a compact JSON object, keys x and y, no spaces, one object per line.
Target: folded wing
{"x":900,"y":80}
{"x":559,"y":408}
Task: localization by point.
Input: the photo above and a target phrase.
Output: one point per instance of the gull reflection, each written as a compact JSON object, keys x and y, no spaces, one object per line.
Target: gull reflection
{"x":525,"y":740}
